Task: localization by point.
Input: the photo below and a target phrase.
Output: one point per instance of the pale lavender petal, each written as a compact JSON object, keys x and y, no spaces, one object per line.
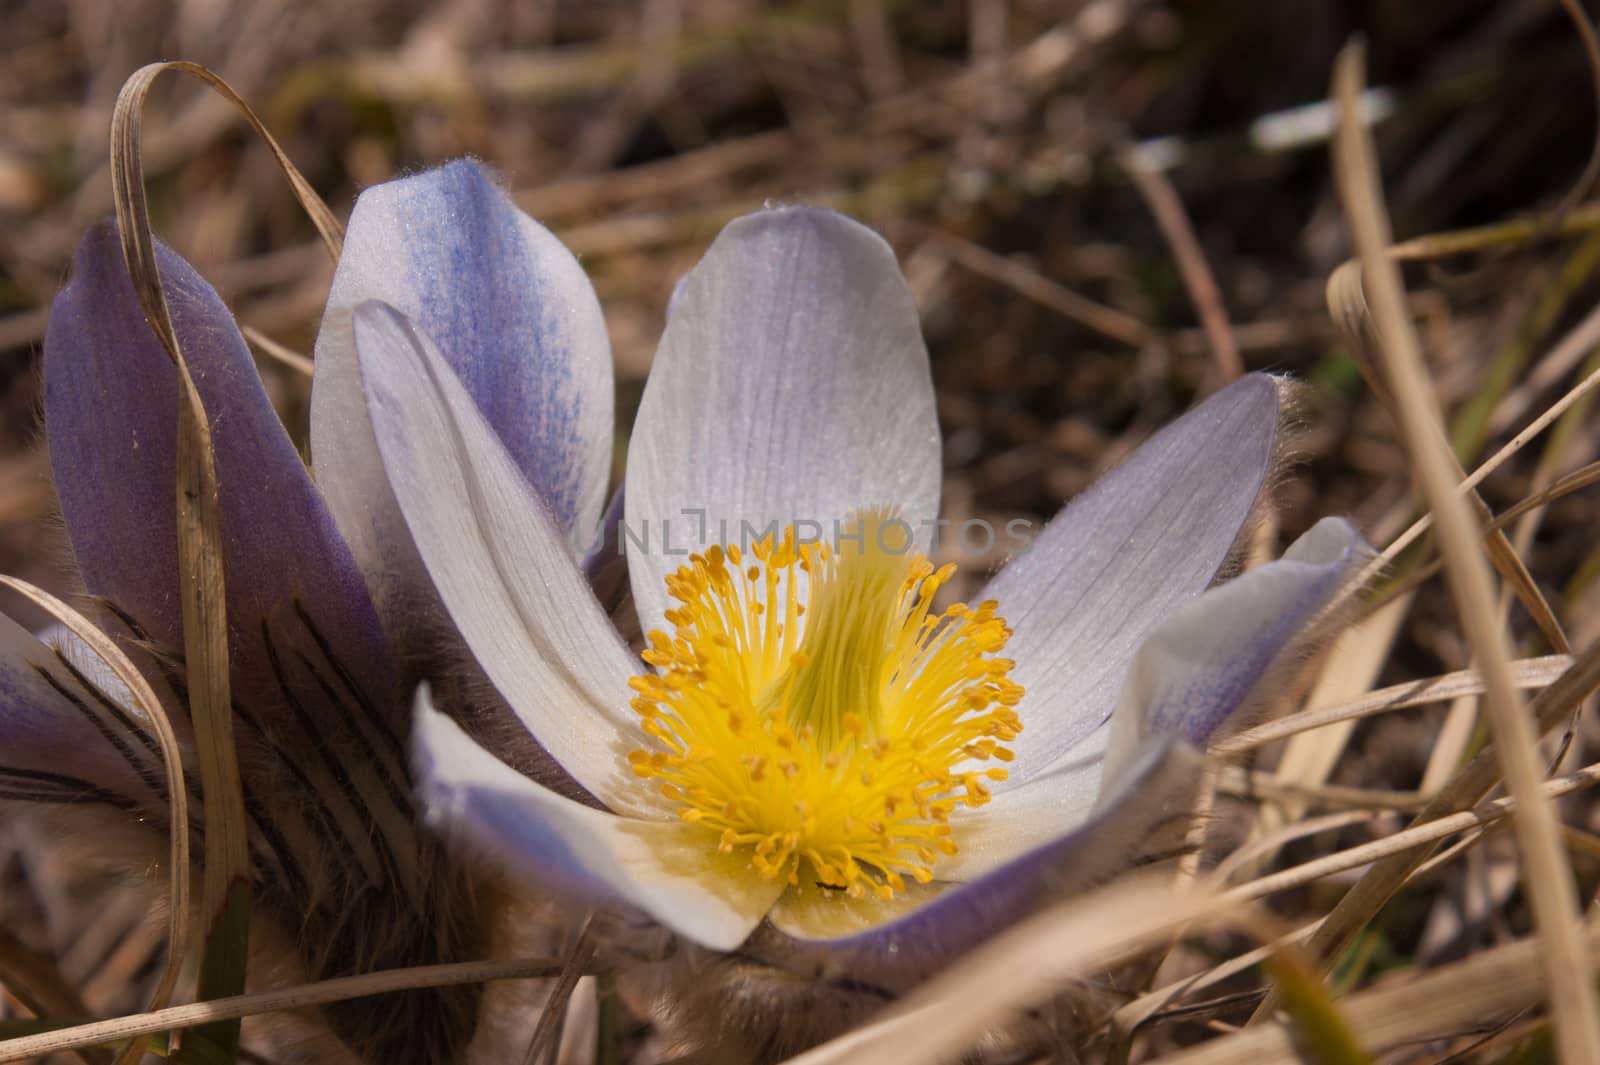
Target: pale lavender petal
{"x":822,"y":934}
{"x":111,"y":409}
{"x":1150,"y":536}
{"x":791,"y":385}
{"x":519,"y":324}
{"x":1220,"y":656}
{"x":501,"y":565}
{"x":1207,"y":665}
{"x":668,"y":869}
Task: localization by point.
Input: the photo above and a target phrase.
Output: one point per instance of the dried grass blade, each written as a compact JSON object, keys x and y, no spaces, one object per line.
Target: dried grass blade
{"x":1348,"y":306}
{"x":288,"y":998}
{"x":1574,"y":348}
{"x":1254,"y":852}
{"x":948,"y":1014}
{"x":1526,"y":673}
{"x":227,"y":892}
{"x":1350,"y":669}
{"x":146,"y":702}
{"x":1514,"y":571}
{"x":1476,"y":239}
{"x":284,"y":356}
{"x":1492,"y":983}
{"x":131,"y":101}
{"x":1405,"y":841}
{"x":1574,"y":1005}
{"x":1591,"y":329}
{"x":1466,"y":790}
{"x":545,"y":1043}
{"x":1204,"y":293}
{"x":1127,"y":1020}
{"x":1107,"y":321}
{"x":1562,"y":486}
{"x":34,"y":981}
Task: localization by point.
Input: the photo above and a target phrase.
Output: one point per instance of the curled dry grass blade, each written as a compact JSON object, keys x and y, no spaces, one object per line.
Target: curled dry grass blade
{"x":1347,"y":303}
{"x":146,"y":702}
{"x":226,"y":903}
{"x":1574,"y":1004}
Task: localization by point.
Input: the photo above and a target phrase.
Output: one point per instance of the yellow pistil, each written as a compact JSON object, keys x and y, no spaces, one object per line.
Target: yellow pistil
{"x":811,"y":706}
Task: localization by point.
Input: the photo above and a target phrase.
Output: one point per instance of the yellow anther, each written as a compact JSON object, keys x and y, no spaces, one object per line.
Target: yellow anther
{"x":832,"y":667}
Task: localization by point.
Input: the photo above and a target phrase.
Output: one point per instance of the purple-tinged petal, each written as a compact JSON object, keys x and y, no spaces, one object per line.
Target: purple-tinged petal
{"x":1148,"y":537}
{"x":1219,"y":656}
{"x":791,"y":386}
{"x":1206,"y":665}
{"x":518,"y":323}
{"x":66,"y":731}
{"x":668,"y":869}
{"x":823,"y":934}
{"x":500,"y":563}
{"x":298,"y":609}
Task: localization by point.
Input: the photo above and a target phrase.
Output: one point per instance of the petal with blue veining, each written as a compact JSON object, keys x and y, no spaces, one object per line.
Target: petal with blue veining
{"x":518,"y":322}
{"x":791,"y":385}
{"x":1148,"y":537}
{"x":659,"y":867}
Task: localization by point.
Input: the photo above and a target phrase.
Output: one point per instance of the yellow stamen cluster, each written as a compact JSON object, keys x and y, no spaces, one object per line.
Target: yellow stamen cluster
{"x":812,"y":706}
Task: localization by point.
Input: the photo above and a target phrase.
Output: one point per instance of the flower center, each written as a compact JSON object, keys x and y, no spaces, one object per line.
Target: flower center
{"x":812,"y":706}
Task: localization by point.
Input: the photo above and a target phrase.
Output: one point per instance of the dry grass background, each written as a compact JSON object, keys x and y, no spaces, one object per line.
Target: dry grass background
{"x":1098,"y":230}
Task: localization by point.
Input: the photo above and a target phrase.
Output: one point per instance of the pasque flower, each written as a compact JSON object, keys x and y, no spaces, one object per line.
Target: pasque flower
{"x":813,"y":767}
{"x":332,"y":618}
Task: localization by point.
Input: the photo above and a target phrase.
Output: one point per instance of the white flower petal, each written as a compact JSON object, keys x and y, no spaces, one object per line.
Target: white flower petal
{"x":1122,"y":556}
{"x":504,"y":570}
{"x":519,"y":324}
{"x":668,"y":869}
{"x":791,"y":386}
{"x":1201,"y":669}
{"x":1017,"y":820}
{"x":1217,"y":657}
